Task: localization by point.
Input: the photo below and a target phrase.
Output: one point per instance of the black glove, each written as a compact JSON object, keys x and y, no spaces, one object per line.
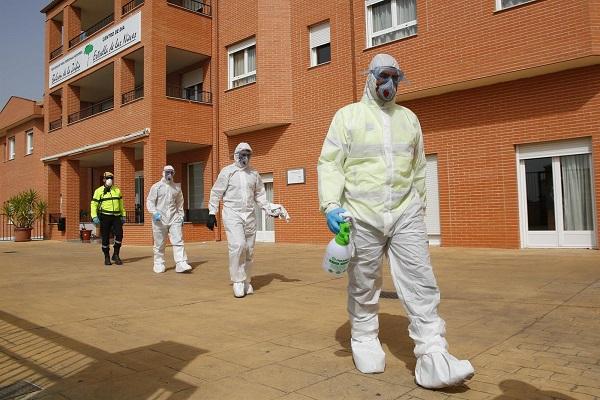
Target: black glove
{"x":212,"y":222}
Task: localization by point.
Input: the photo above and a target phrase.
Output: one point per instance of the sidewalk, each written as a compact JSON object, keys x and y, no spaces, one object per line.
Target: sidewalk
{"x":529,"y":320}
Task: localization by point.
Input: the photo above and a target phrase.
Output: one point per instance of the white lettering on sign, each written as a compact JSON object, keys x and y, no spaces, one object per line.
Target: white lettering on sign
{"x":124,"y":35}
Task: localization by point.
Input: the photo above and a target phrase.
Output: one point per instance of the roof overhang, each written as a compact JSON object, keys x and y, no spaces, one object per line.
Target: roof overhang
{"x":97,"y":146}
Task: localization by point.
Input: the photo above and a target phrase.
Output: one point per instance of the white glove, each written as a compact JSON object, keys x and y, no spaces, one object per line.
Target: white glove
{"x":277,"y":210}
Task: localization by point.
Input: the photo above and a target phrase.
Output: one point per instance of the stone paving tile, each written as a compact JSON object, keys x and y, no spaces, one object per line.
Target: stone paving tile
{"x":282,"y":378}
{"x":259,"y":355}
{"x":352,"y":387}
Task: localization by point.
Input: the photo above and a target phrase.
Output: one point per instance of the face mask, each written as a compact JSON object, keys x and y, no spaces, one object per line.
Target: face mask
{"x":387,"y":90}
{"x":109,"y":182}
{"x":169,"y":175}
{"x":243,"y":159}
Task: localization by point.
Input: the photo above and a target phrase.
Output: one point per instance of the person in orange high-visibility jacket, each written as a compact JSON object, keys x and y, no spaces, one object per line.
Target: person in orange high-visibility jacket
{"x":108,"y":211}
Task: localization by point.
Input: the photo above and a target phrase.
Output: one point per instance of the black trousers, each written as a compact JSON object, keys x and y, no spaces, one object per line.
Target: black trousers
{"x":111,"y":223}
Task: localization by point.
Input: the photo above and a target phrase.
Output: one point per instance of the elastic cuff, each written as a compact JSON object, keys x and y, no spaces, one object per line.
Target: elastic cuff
{"x":331,"y":207}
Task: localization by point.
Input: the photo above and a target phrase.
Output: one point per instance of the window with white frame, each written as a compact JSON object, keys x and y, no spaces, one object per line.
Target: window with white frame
{"x":242,"y":63}
{"x":389,"y":20}
{"x":195,"y":186}
{"x":11,"y":148}
{"x":502,"y":4}
{"x":29,"y":142}
{"x":320,"y":44}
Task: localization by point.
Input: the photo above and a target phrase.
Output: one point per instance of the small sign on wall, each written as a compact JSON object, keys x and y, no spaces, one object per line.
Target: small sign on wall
{"x":295,"y":176}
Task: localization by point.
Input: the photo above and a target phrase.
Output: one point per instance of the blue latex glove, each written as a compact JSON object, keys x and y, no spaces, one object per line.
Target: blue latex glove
{"x":123,"y":219}
{"x":334,"y":219}
{"x":156,"y":216}
{"x":96,"y":221}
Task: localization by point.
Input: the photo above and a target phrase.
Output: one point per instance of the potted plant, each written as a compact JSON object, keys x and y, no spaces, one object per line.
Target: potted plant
{"x":22,"y":210}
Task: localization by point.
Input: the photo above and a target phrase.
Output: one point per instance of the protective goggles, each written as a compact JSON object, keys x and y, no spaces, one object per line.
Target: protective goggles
{"x":383,"y":74}
{"x":245,"y":153}
{"x":109,"y":177}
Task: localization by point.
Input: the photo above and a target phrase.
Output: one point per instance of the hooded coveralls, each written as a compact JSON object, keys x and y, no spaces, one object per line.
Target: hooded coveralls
{"x":373,"y":164}
{"x":166,"y":198}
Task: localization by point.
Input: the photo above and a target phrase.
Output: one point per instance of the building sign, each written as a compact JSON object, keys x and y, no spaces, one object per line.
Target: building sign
{"x":106,"y":44}
{"x":295,"y":176}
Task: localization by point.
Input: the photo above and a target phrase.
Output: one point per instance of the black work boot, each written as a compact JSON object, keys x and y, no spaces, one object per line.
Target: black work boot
{"x":117,"y":259}
{"x":106,"y":257}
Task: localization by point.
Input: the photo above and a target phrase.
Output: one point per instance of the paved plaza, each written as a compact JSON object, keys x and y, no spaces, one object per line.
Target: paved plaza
{"x":529,"y":320}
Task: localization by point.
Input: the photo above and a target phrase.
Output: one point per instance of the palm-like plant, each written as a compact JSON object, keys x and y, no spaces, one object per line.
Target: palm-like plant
{"x":24,"y":209}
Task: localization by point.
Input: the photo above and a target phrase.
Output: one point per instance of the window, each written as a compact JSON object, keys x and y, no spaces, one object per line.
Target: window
{"x":192,"y":85}
{"x":502,"y":4}
{"x":11,"y":148}
{"x":242,"y":63}
{"x":29,"y":142}
{"x":389,"y":20}
{"x":320,"y":44}
{"x":195,"y":186}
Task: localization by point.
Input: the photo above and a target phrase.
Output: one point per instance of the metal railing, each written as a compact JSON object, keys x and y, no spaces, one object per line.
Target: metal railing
{"x":56,"y":52}
{"x":91,"y":30}
{"x":7,"y":229}
{"x":187,"y":94}
{"x":193,"y":5}
{"x":130,"y":6}
{"x":57,"y":123}
{"x":132,"y":95}
{"x":95,"y":108}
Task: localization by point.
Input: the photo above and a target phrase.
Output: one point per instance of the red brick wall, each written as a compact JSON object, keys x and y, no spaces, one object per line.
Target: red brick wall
{"x":474,"y":134}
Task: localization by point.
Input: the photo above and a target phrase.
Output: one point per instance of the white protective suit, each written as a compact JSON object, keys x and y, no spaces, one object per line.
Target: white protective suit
{"x":241,"y":189}
{"x":373,"y":164}
{"x":165,"y":201}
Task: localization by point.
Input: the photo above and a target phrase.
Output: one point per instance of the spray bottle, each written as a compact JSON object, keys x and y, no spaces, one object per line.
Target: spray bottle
{"x":338,"y":253}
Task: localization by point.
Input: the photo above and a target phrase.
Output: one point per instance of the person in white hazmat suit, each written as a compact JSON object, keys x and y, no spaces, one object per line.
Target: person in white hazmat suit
{"x":165,"y":203}
{"x":241,"y":189}
{"x":372,"y":164}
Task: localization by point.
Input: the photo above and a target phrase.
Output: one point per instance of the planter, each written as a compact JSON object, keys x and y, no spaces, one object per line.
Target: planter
{"x":22,"y":234}
{"x":86,"y":235}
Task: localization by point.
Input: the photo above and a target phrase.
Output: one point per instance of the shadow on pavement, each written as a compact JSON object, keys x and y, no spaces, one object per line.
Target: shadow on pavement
{"x":518,"y":390}
{"x":260,"y":281}
{"x":60,"y":364}
{"x":134,"y":259}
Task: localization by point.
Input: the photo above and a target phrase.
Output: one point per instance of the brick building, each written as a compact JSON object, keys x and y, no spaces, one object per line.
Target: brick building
{"x":506,"y":92}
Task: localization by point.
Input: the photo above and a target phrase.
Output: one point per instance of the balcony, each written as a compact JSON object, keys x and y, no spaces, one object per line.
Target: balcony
{"x":193,"y":93}
{"x":132,"y":95}
{"x":193,"y":5}
{"x":91,"y":94}
{"x":132,"y":5}
{"x":96,"y":108}
{"x":92,"y":29}
{"x":56,"y":52}
{"x":56,"y":124}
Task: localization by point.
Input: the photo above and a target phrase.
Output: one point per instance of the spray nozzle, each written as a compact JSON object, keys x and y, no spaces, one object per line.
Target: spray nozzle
{"x":343,"y":236}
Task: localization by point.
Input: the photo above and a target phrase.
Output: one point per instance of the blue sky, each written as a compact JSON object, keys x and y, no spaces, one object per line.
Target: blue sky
{"x":22,"y":49}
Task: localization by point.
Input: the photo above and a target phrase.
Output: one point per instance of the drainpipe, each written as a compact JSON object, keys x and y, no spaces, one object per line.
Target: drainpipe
{"x":216,"y":95}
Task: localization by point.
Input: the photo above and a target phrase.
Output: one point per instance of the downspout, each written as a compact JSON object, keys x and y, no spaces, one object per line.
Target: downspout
{"x":353,"y":51}
{"x":216,"y":103}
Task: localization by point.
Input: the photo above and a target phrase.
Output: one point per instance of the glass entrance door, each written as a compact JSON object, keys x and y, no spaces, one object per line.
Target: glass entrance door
{"x":559,"y":209}
{"x":265,"y":225}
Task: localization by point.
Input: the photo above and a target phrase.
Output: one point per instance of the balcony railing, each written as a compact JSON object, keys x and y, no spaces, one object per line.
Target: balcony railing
{"x":95,"y":108}
{"x":189,"y":94}
{"x":57,"y":123}
{"x":131,"y":5}
{"x":192,"y":5}
{"x":132,"y":95}
{"x":91,"y":30}
{"x":56,"y":52}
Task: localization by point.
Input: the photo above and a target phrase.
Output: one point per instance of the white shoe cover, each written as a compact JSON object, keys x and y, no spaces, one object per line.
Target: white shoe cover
{"x":159,"y":268}
{"x":238,"y":289}
{"x":248,"y":289}
{"x":440,"y":370}
{"x":183,"y":267}
{"x":368,"y":356}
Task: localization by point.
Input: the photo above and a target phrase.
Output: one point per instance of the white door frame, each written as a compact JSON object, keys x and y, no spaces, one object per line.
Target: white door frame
{"x":559,"y":237}
{"x":265,"y":236}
